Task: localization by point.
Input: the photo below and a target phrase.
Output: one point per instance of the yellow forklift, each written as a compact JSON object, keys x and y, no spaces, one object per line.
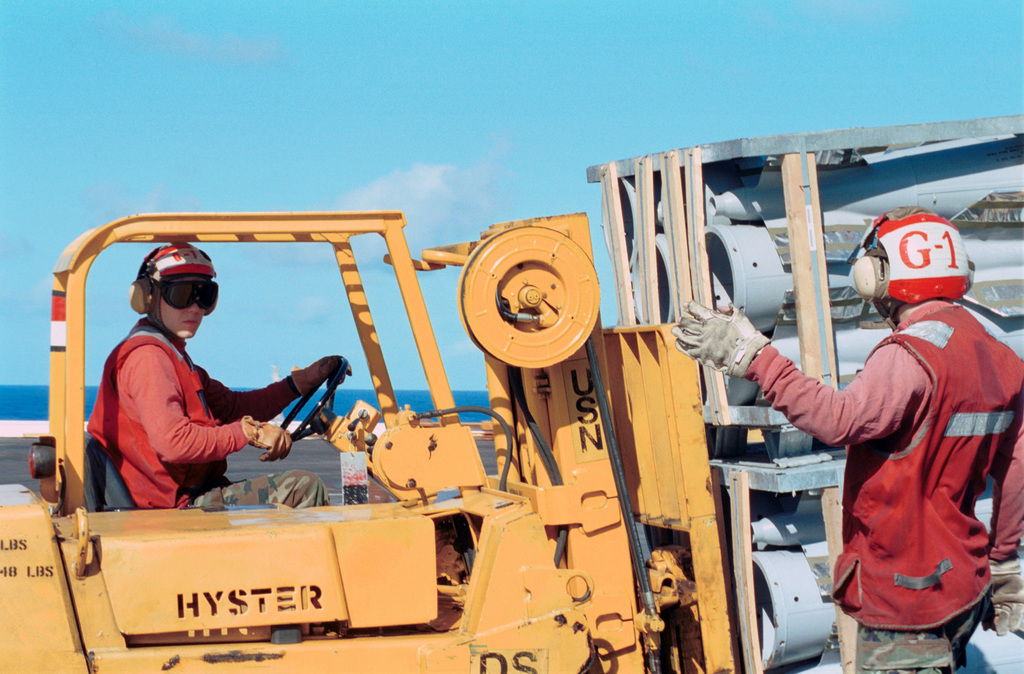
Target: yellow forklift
{"x":541,"y":567}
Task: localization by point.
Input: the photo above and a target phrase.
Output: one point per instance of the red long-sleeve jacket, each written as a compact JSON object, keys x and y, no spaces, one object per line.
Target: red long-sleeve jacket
{"x":906,"y":466}
{"x":167,"y":426}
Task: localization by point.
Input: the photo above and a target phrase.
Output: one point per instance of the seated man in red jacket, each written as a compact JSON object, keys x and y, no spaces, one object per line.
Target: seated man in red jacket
{"x":936,"y":410}
{"x":167,"y":426}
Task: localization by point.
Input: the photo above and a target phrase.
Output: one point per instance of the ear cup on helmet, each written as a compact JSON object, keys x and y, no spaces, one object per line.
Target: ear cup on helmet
{"x":871,"y":277}
{"x":140,"y":295}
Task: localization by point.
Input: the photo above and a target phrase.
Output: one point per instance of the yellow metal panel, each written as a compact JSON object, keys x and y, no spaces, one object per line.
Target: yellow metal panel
{"x":552,"y":590}
{"x":227,"y":578}
{"x":514,"y":582}
{"x":389,"y":569}
{"x":501,"y":404}
{"x":36,"y":615}
{"x":656,"y":413}
{"x":418,"y":461}
{"x":164,"y":569}
{"x":660,"y":426}
{"x":588,"y":501}
{"x":663,"y":393}
{"x":620,"y":361}
{"x":682,"y":388}
{"x":511,"y":538}
{"x":567,"y":409}
{"x":657,"y":502}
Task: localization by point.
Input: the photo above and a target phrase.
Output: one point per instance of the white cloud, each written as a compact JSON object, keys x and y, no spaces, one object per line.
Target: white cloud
{"x":315,"y":309}
{"x":161,"y":33}
{"x":443,"y":203}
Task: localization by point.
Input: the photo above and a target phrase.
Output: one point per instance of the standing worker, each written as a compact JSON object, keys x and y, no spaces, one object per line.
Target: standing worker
{"x":936,"y":410}
{"x":167,"y":426}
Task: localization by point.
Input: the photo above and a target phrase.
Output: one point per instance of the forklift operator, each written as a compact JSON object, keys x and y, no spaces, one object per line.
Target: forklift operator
{"x":167,"y":426}
{"x":936,"y":410}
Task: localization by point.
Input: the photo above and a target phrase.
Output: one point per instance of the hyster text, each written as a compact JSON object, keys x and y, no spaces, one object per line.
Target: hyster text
{"x":240,"y":602}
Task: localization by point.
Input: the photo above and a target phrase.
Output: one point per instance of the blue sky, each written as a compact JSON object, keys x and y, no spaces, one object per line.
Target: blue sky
{"x":462,"y":114}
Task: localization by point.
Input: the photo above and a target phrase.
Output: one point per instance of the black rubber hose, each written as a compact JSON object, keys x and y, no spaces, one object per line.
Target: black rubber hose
{"x":510,"y":316}
{"x":547,"y":457}
{"x":625,"y":505}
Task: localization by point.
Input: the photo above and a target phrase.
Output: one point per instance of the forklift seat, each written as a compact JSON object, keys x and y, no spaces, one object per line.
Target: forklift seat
{"x":104,"y":487}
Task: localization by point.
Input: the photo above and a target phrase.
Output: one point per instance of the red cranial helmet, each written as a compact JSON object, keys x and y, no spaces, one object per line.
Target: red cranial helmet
{"x":159,"y":273}
{"x":177,"y":259}
{"x":912,"y":255}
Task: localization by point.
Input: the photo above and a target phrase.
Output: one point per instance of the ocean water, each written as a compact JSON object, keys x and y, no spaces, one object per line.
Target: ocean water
{"x":31,"y":403}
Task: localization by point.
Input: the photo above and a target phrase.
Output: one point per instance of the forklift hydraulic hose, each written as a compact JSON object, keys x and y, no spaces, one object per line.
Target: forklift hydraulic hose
{"x":547,"y":457}
{"x":619,"y":473}
{"x":515,"y":380}
{"x":503,"y":483}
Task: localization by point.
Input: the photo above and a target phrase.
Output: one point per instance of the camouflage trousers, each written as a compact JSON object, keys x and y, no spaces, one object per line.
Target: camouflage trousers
{"x":293,"y":488}
{"x":940,"y":650}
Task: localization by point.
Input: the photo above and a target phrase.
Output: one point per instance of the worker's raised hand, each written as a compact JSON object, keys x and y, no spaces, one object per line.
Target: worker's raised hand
{"x":1007,"y":597}
{"x":309,"y":378}
{"x":726,"y":341}
{"x":274,"y":439}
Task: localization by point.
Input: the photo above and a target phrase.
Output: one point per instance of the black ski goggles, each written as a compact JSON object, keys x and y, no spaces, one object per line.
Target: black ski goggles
{"x":183,"y":294}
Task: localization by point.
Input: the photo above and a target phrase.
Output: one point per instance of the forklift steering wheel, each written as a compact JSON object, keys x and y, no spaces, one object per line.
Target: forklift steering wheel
{"x":334,"y":380}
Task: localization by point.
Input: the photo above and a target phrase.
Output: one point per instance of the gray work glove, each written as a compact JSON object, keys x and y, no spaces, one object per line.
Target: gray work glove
{"x":1007,"y":596}
{"x":726,"y":341}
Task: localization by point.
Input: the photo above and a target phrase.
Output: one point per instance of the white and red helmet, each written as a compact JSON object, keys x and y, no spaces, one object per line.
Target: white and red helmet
{"x":912,"y":255}
{"x":156,"y":276}
{"x":176,"y":259}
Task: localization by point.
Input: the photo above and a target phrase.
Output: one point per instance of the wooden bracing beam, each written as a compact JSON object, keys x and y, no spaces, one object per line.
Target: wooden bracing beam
{"x":693,"y":185}
{"x":646,"y":245}
{"x":611,"y":213}
{"x":674,"y":211}
{"x":815,"y":334}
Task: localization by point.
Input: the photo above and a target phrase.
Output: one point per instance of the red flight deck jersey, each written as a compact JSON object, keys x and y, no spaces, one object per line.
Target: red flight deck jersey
{"x":936,"y":409}
{"x":166,"y":425}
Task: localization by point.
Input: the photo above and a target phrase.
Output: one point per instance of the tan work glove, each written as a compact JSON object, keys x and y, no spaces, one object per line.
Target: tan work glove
{"x":1007,"y":596}
{"x":309,"y":378}
{"x":267,"y":436}
{"x":725,"y":341}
